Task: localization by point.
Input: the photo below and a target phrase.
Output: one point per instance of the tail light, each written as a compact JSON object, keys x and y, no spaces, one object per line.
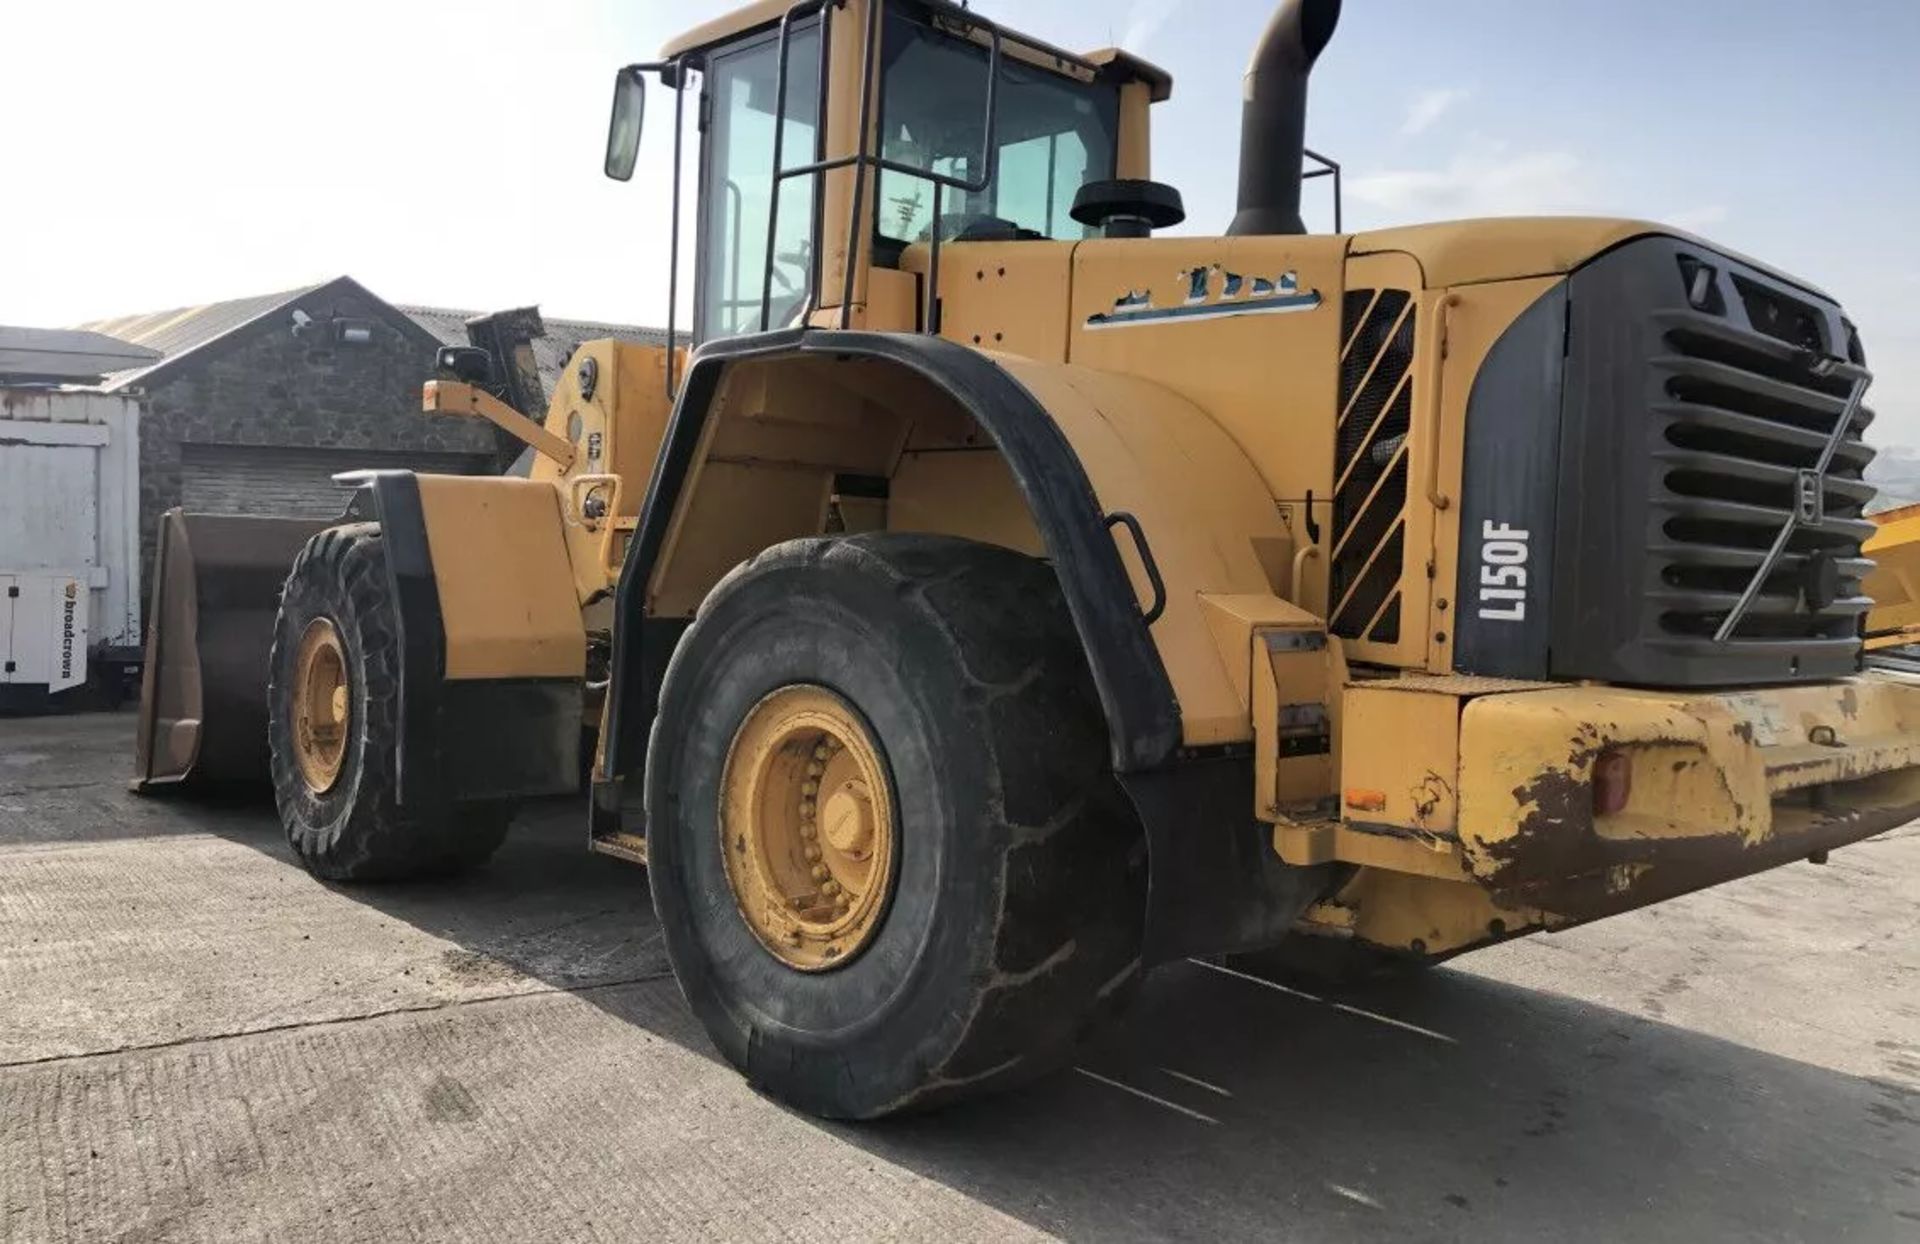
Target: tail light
{"x":1612,"y":782}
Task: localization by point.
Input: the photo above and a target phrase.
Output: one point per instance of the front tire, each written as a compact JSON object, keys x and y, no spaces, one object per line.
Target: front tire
{"x":1015,"y":889}
{"x":333,"y":721}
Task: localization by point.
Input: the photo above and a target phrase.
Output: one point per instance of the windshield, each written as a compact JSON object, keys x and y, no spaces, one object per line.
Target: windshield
{"x":1053,"y":134}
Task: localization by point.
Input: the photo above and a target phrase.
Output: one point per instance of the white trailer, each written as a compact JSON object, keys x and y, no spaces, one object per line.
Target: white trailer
{"x":69,"y":534}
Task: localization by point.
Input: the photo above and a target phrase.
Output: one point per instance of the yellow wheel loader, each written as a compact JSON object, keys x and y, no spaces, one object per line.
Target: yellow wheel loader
{"x":1893,"y":625}
{"x":1003,"y":600}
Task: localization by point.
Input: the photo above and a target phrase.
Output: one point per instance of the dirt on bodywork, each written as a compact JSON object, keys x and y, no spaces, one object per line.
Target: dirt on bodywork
{"x":1561,"y":861}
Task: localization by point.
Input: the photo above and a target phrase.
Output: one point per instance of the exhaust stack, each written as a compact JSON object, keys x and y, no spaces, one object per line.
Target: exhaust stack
{"x":1273,"y":117}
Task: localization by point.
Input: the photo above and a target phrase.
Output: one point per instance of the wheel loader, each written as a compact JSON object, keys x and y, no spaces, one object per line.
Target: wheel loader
{"x":1893,"y":624}
{"x":1002,"y":599}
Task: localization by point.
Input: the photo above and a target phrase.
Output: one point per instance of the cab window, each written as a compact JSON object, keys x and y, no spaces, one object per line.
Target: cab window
{"x":1053,"y":134}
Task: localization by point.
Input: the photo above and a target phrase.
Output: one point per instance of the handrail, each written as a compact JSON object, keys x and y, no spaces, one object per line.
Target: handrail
{"x":1328,"y":168}
{"x":1433,"y":394}
{"x":673,"y":72}
{"x":736,"y":203}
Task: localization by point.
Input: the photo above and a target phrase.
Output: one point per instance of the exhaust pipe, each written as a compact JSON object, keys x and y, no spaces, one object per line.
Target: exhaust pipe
{"x":1273,"y":117}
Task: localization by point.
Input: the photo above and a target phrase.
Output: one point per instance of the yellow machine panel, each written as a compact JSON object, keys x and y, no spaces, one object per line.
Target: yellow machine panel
{"x":507,"y":599}
{"x":1894,"y":584}
{"x":1151,"y":453}
{"x":1703,"y":786}
{"x":1257,"y":366}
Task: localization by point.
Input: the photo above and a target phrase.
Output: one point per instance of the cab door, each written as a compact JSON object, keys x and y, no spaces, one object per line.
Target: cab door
{"x":734,"y":282}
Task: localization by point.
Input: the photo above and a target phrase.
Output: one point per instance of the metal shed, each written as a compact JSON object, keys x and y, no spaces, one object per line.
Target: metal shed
{"x":69,"y":512}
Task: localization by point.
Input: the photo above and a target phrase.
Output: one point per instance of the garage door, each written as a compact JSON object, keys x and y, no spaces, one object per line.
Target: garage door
{"x":255,"y":479}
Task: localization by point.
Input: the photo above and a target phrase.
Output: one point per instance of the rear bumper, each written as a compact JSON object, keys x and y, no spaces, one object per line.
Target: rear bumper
{"x":1722,"y":785}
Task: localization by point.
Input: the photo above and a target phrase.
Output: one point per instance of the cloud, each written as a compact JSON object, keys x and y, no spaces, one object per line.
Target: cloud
{"x":1429,"y":107}
{"x":1144,"y":20}
{"x":1488,"y":178}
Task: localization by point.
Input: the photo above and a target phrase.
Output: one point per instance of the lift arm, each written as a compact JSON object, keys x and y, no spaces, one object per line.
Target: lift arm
{"x":454,"y":397}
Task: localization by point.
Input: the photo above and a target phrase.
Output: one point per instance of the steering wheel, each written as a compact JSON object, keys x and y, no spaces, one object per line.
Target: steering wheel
{"x":979,"y":227}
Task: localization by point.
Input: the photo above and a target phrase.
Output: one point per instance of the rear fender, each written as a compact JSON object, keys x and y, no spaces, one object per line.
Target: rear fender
{"x":1135,"y":495}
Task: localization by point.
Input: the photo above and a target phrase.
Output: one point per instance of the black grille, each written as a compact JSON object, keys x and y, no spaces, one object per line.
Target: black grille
{"x":1741,"y":413}
{"x":1697,"y":389}
{"x":1370,"y":464}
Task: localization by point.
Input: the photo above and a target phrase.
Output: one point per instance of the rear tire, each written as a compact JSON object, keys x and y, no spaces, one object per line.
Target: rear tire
{"x":353,"y":829}
{"x":1018,"y":885}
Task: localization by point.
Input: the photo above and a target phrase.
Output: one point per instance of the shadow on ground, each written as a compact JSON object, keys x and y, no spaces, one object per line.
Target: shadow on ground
{"x":1226,"y":1109}
{"x":1446,"y":1106}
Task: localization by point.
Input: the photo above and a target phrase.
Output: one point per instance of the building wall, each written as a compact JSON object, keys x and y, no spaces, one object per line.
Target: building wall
{"x":264,"y":386}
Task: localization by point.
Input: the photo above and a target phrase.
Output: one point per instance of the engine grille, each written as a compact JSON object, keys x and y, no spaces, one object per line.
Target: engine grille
{"x":1697,"y":389}
{"x":1370,"y":469}
{"x":1741,"y":413}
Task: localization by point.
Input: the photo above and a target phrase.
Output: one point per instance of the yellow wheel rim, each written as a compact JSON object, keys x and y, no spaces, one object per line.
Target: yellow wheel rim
{"x":807,"y":827}
{"x":321,"y":705}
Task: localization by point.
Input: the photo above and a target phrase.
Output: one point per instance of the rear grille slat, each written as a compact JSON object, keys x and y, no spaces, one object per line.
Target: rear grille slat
{"x":1765,"y":483}
{"x":1697,"y":425}
{"x":1706,"y":335}
{"x":1743,"y":409}
{"x":1762,"y":518}
{"x":1709,"y":556}
{"x":1714,"y":383}
{"x":1767,"y":605}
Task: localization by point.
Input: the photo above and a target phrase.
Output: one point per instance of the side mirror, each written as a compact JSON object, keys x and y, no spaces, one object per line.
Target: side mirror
{"x":467,"y":364}
{"x":623,"y":129}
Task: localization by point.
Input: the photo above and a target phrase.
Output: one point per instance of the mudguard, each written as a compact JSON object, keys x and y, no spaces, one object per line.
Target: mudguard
{"x":493,"y":650}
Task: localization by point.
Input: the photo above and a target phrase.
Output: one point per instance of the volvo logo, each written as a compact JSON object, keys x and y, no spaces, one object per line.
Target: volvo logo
{"x":1810,"y":497}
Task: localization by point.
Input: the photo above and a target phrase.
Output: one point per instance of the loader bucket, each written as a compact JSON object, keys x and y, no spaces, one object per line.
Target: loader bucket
{"x":203,"y":695}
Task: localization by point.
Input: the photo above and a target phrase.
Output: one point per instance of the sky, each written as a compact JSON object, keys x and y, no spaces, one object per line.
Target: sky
{"x":161,"y":153}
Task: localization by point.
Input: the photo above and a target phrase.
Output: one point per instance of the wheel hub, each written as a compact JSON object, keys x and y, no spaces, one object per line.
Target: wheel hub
{"x":320,"y":706}
{"x":807,"y":827}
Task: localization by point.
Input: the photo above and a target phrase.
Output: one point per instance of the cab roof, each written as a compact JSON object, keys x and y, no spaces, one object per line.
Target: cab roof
{"x":761,"y":14}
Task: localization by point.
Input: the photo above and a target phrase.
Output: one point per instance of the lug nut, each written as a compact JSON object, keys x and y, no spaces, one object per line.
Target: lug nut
{"x":819,"y":872}
{"x":831,"y":888}
{"x":822,"y":752}
{"x":807,"y":831}
{"x":812,"y":853}
{"x":810,"y":788}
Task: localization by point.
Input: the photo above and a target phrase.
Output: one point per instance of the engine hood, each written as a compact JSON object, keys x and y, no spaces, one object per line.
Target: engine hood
{"x":1469,"y":252}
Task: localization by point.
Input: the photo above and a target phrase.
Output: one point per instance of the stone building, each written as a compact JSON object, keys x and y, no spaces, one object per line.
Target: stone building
{"x":256,"y":402}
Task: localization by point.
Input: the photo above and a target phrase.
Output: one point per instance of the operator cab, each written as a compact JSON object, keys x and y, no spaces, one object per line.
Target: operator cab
{"x":977,"y":135}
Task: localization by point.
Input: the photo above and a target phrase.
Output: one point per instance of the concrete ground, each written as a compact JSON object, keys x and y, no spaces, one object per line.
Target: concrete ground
{"x":198,"y":1041}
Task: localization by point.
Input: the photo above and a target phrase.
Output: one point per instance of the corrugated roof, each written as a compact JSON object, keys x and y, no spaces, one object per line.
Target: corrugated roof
{"x":65,"y":354}
{"x":185,"y":329}
{"x":551,"y":352}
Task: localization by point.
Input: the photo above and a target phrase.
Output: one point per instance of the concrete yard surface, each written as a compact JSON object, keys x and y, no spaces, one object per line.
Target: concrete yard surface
{"x":199,"y":1041}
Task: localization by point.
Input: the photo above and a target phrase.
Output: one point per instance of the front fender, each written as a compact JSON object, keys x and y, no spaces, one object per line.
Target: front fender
{"x":1142,"y":714}
{"x":493,"y":650}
